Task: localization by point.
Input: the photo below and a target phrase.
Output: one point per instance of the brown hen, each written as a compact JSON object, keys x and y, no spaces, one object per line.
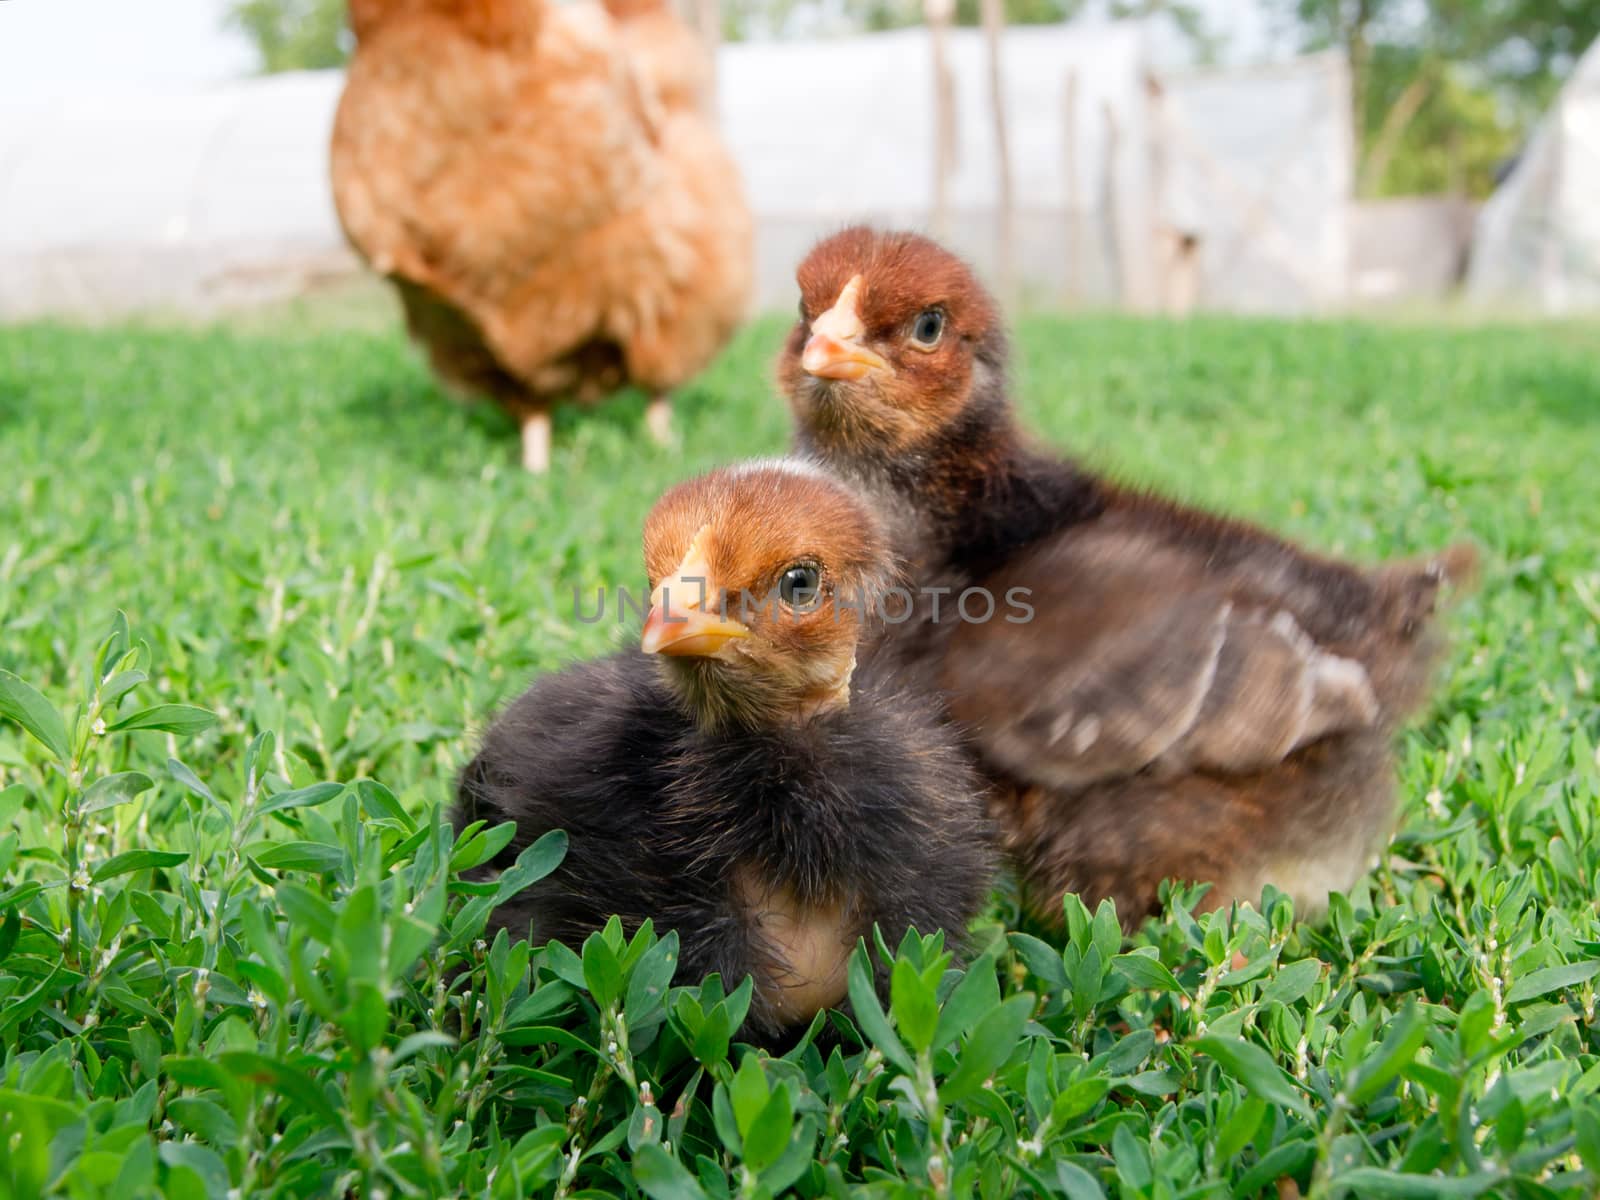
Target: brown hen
{"x":545,"y":188}
{"x":1159,"y":692}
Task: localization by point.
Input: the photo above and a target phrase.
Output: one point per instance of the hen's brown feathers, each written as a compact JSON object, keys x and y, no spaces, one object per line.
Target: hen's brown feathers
{"x":510,"y":163}
{"x":493,"y":22}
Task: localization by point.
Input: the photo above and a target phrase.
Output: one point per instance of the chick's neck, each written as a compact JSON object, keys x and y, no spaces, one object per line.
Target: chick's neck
{"x":718,"y":695}
{"x":977,"y":489}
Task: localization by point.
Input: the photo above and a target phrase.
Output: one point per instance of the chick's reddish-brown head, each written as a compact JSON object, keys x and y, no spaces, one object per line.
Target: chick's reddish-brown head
{"x":895,"y":337}
{"x":761,"y":577}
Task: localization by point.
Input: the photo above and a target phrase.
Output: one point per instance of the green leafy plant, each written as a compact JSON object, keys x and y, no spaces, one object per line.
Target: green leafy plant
{"x":241,"y":952}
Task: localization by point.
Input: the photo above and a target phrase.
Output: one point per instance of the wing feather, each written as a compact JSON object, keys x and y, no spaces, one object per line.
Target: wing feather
{"x":1137,"y":659}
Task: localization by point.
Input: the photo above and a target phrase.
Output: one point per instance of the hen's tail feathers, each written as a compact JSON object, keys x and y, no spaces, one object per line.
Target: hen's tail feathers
{"x":493,"y":22}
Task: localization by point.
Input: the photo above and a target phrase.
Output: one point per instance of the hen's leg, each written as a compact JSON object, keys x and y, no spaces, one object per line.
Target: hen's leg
{"x":658,"y":419}
{"x":536,"y":442}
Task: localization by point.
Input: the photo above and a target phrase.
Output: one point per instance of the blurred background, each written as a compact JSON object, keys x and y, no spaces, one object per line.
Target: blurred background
{"x":1270,"y":156}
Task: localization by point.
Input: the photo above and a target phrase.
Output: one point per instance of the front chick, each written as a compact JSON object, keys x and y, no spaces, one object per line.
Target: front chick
{"x":1157,"y":692}
{"x":733,"y":778}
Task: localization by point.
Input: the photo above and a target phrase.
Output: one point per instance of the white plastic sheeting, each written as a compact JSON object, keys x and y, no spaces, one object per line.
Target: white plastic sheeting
{"x":1258,"y":170}
{"x":831,"y":132}
{"x":169,"y":201}
{"x":1538,"y":237}
{"x":221,"y":197}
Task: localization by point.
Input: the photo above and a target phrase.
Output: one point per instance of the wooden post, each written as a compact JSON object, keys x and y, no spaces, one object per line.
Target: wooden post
{"x":1177,"y":250}
{"x":1460,"y":209}
{"x":708,"y":17}
{"x":1073,"y":192}
{"x":1110,"y":211}
{"x":939,"y":14}
{"x":1552,"y":287}
{"x":994,"y":23}
{"x":1162,"y":238}
{"x":1181,"y":271}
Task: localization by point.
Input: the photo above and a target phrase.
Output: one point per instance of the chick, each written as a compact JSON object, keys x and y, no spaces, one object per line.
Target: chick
{"x":733,"y":779}
{"x":1157,"y":692}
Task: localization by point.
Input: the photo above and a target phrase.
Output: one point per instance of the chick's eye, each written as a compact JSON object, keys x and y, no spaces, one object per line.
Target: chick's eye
{"x":929,"y":327}
{"x":798,"y":585}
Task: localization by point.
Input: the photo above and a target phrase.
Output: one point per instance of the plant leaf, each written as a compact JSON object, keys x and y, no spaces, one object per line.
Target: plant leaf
{"x":173,"y":718}
{"x":532,"y":865}
{"x":138,"y":860}
{"x":316,"y":857}
{"x":1253,"y":1067}
{"x":112,"y":790}
{"x":306,"y":797}
{"x":1144,"y":971}
{"x":663,"y":1177}
{"x":1391,"y":1185}
{"x":1406,"y":1034}
{"x":1551,"y":979}
{"x":991,"y":1043}
{"x":33,"y":712}
{"x":869,"y":1013}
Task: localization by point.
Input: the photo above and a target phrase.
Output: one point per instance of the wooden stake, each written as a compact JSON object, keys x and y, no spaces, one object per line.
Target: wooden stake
{"x":1076,"y":263}
{"x":939,"y":14}
{"x":994,"y":24}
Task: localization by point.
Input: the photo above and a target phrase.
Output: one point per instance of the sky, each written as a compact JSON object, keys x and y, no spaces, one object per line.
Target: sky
{"x":55,"y":49}
{"x":52,"y":49}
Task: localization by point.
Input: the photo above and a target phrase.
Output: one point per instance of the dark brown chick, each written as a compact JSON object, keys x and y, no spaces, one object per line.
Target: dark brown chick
{"x":1160,"y":692}
{"x":733,"y":779}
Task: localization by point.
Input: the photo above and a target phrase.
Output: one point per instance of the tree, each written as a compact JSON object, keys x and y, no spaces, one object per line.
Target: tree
{"x":293,"y":35}
{"x":877,"y":15}
{"x":1442,"y":89}
{"x":1431,"y":125}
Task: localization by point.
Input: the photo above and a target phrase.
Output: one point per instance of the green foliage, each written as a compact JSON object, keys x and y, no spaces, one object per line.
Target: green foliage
{"x":877,"y":15}
{"x":1484,"y":71}
{"x":293,"y":35}
{"x":1458,"y":138}
{"x":233,"y":960}
{"x":1526,"y":46}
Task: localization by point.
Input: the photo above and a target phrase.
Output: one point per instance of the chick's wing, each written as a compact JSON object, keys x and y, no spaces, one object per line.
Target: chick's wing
{"x":1136,"y":657}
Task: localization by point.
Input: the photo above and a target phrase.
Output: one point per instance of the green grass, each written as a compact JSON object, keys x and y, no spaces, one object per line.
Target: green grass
{"x":311,"y":543}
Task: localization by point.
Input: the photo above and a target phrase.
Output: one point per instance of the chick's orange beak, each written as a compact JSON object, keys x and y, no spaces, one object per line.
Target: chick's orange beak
{"x":835,"y":350}
{"x":683,"y":620}
{"x":829,"y":358}
{"x":689,"y":633}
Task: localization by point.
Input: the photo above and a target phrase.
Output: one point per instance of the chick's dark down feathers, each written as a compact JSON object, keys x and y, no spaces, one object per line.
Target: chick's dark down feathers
{"x":869,"y":808}
{"x":1189,"y":697}
{"x":1203,"y":701}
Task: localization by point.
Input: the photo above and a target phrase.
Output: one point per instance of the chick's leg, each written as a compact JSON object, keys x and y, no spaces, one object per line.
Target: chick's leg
{"x":536,"y":442}
{"x":658,"y":419}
